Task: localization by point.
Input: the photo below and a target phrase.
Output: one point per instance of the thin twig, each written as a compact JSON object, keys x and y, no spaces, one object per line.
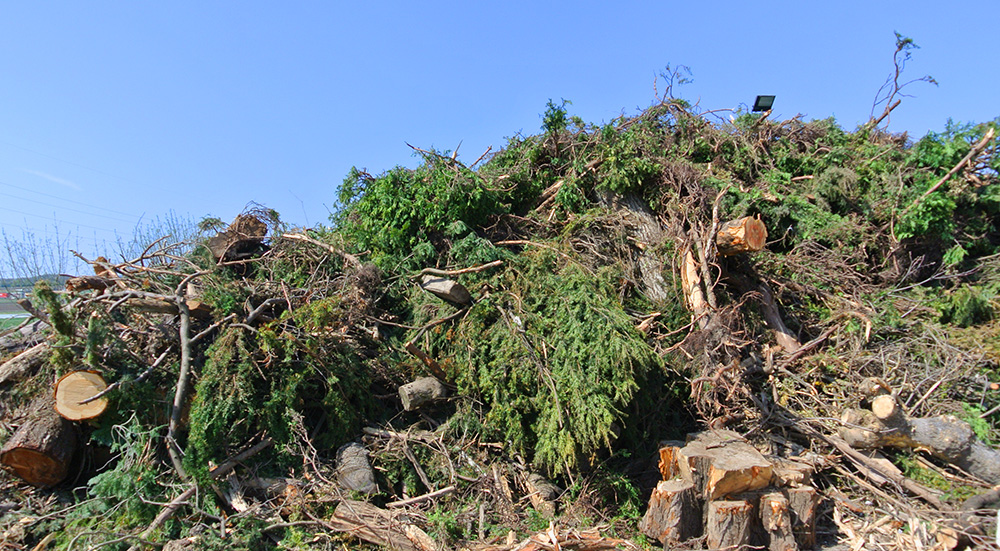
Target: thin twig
{"x":419,"y":499}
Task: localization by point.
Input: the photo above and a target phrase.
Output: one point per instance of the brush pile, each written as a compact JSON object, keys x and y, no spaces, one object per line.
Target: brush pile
{"x":666,"y":329}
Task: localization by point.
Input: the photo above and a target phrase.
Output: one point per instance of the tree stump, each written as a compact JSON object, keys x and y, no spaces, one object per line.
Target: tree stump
{"x":747,"y":234}
{"x":41,"y":449}
{"x":729,"y":524}
{"x":674,"y":513}
{"x":720,"y":463}
{"x":420,"y":392}
{"x":76,"y":387}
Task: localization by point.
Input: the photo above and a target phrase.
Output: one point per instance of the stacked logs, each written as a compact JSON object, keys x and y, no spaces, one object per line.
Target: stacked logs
{"x":719,"y":487}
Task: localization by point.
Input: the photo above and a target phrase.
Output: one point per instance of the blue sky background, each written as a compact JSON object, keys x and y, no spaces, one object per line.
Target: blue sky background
{"x":113,"y":114}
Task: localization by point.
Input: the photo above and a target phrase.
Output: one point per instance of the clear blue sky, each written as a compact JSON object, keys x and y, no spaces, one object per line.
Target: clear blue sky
{"x":142,"y":108}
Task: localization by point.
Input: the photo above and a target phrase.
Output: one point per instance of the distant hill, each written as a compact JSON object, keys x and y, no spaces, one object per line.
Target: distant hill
{"x":55,"y":279}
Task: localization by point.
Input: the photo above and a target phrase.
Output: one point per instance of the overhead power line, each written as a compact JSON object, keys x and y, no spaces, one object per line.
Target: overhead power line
{"x":2,"y":183}
{"x":71,"y":209}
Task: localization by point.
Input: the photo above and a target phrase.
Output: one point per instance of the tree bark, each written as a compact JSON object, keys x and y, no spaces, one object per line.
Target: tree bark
{"x":802,"y":503}
{"x":729,"y":524}
{"x":24,"y":364}
{"x":422,"y":391}
{"x":946,"y":437}
{"x":380,"y":526}
{"x":41,"y":449}
{"x":647,"y":232}
{"x":777,"y":522}
{"x":674,"y":513}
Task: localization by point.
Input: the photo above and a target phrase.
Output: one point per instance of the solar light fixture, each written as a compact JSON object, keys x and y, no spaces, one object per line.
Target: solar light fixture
{"x":763,"y":103}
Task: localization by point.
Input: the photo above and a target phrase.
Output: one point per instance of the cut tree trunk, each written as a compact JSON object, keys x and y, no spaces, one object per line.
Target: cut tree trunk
{"x":729,"y":524}
{"x":41,"y":449}
{"x":88,"y":283}
{"x":674,"y":513}
{"x":747,"y":234}
{"x":647,"y":233}
{"x":422,"y":391}
{"x":721,"y":463}
{"x":354,"y":469}
{"x":24,"y":364}
{"x":777,"y":522}
{"x":446,"y":289}
{"x":802,"y":503}
{"x":74,"y":393}
{"x":945,"y":437}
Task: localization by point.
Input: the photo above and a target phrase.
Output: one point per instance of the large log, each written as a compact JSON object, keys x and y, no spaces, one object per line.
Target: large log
{"x":647,"y":234}
{"x":729,"y":524}
{"x":41,"y":449}
{"x":74,"y":392}
{"x":721,"y":463}
{"x":422,"y":391}
{"x":945,"y":437}
{"x":747,"y":234}
{"x":354,"y":469}
{"x":24,"y":364}
{"x":674,"y":513}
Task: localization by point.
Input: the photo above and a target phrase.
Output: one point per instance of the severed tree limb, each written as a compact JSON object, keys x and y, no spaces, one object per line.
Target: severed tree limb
{"x":222,"y":470}
{"x":183,"y":377}
{"x":945,"y":437}
{"x":420,"y":499}
{"x":35,"y":312}
{"x":347,"y":257}
{"x":869,"y":466}
{"x":976,"y":149}
{"x":448,"y":273}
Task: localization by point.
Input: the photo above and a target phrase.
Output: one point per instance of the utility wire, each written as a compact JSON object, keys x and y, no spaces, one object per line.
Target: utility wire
{"x":2,"y":183}
{"x":71,"y":209}
{"x":71,"y":223}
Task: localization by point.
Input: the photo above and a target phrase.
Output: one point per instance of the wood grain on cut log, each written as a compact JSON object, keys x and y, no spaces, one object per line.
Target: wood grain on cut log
{"x":729,"y":524}
{"x":747,"y":234}
{"x":41,"y":449}
{"x":721,"y":463}
{"x":24,"y":364}
{"x":420,"y":392}
{"x":668,"y":459}
{"x":777,"y":522}
{"x":74,"y":390}
{"x":674,"y":514}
